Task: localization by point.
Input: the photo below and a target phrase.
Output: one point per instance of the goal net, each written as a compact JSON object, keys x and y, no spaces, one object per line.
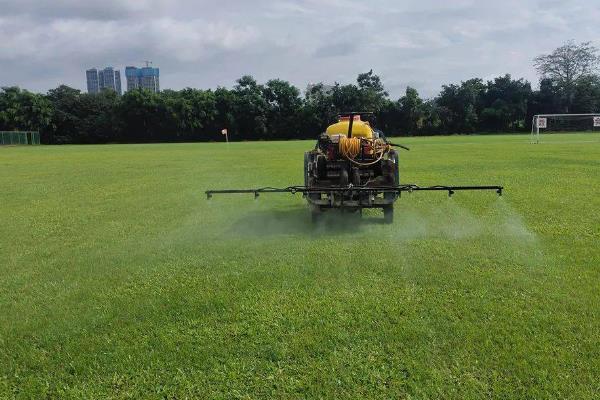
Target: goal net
{"x":19,"y":137}
{"x":554,"y":123}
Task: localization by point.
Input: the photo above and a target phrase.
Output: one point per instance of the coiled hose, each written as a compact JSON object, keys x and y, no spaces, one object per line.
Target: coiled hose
{"x":350,"y":148}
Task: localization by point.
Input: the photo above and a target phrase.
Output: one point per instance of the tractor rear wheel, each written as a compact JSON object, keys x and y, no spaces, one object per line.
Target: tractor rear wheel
{"x":307,"y":160}
{"x":388,"y":214}
{"x":321,"y":166}
{"x":394,"y":157}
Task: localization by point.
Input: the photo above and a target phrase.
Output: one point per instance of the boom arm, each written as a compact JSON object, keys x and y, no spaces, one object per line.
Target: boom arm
{"x":355,"y":189}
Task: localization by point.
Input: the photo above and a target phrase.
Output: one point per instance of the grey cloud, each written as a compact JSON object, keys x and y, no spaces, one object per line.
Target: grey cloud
{"x":336,"y":50}
{"x":65,"y":9}
{"x":421,"y":43}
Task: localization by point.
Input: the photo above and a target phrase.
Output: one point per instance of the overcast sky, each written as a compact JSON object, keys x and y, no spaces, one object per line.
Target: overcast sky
{"x":210,"y":43}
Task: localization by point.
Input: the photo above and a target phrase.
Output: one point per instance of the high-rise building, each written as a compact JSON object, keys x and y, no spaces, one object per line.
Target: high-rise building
{"x":145,"y":78}
{"x":92,"y":80}
{"x":108,"y":78}
{"x":131,"y":78}
{"x":118,"y":81}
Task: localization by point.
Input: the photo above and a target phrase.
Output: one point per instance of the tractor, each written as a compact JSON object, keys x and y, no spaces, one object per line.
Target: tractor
{"x":351,"y":154}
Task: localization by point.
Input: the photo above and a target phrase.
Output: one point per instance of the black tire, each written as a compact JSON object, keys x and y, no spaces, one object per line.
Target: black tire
{"x":395,"y":176}
{"x":321,"y":166}
{"x":388,"y":214}
{"x":394,"y":158}
{"x":307,"y":158}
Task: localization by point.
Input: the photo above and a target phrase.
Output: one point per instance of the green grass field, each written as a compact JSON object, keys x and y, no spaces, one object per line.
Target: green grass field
{"x":119,"y":280}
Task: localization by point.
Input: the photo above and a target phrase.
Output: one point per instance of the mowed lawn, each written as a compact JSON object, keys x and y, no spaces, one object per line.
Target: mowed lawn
{"x":120,"y":280}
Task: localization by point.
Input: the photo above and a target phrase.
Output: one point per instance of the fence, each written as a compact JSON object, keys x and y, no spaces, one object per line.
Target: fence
{"x":19,"y":137}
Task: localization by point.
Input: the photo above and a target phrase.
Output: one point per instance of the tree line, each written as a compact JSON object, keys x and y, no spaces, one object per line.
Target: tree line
{"x":277,"y":109}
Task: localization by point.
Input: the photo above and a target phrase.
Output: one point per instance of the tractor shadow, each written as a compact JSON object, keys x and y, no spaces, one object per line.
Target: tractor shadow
{"x":298,"y":221}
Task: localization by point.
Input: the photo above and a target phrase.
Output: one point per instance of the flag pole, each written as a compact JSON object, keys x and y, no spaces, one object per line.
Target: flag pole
{"x":226,"y":133}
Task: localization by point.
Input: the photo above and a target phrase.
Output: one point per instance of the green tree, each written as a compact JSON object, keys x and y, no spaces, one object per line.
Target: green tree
{"x":144,"y":115}
{"x":568,"y":65}
{"x":372,"y":91}
{"x":65,"y":124}
{"x":389,"y":118}
{"x":587,"y":95}
{"x":250,"y":109}
{"x":284,"y":109}
{"x":411,"y":110}
{"x":347,"y":98}
{"x":504,"y":104}
{"x":318,"y":110}
{"x":225,"y":114}
{"x":191,"y":112}
{"x":459,"y":106}
{"x":99,"y":122}
{"x":24,"y":110}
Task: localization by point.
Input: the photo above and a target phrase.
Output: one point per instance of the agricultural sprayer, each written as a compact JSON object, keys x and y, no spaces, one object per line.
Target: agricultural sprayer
{"x":352,"y":167}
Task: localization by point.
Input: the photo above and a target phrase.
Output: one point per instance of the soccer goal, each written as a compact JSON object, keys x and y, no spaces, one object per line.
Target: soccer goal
{"x":19,"y":137}
{"x":546,"y":123}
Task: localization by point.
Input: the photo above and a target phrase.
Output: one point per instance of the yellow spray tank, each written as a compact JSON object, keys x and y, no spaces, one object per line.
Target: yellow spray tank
{"x":360,"y":129}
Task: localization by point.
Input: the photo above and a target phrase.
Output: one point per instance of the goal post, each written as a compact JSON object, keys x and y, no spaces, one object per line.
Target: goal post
{"x":19,"y":137}
{"x":563,"y":122}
